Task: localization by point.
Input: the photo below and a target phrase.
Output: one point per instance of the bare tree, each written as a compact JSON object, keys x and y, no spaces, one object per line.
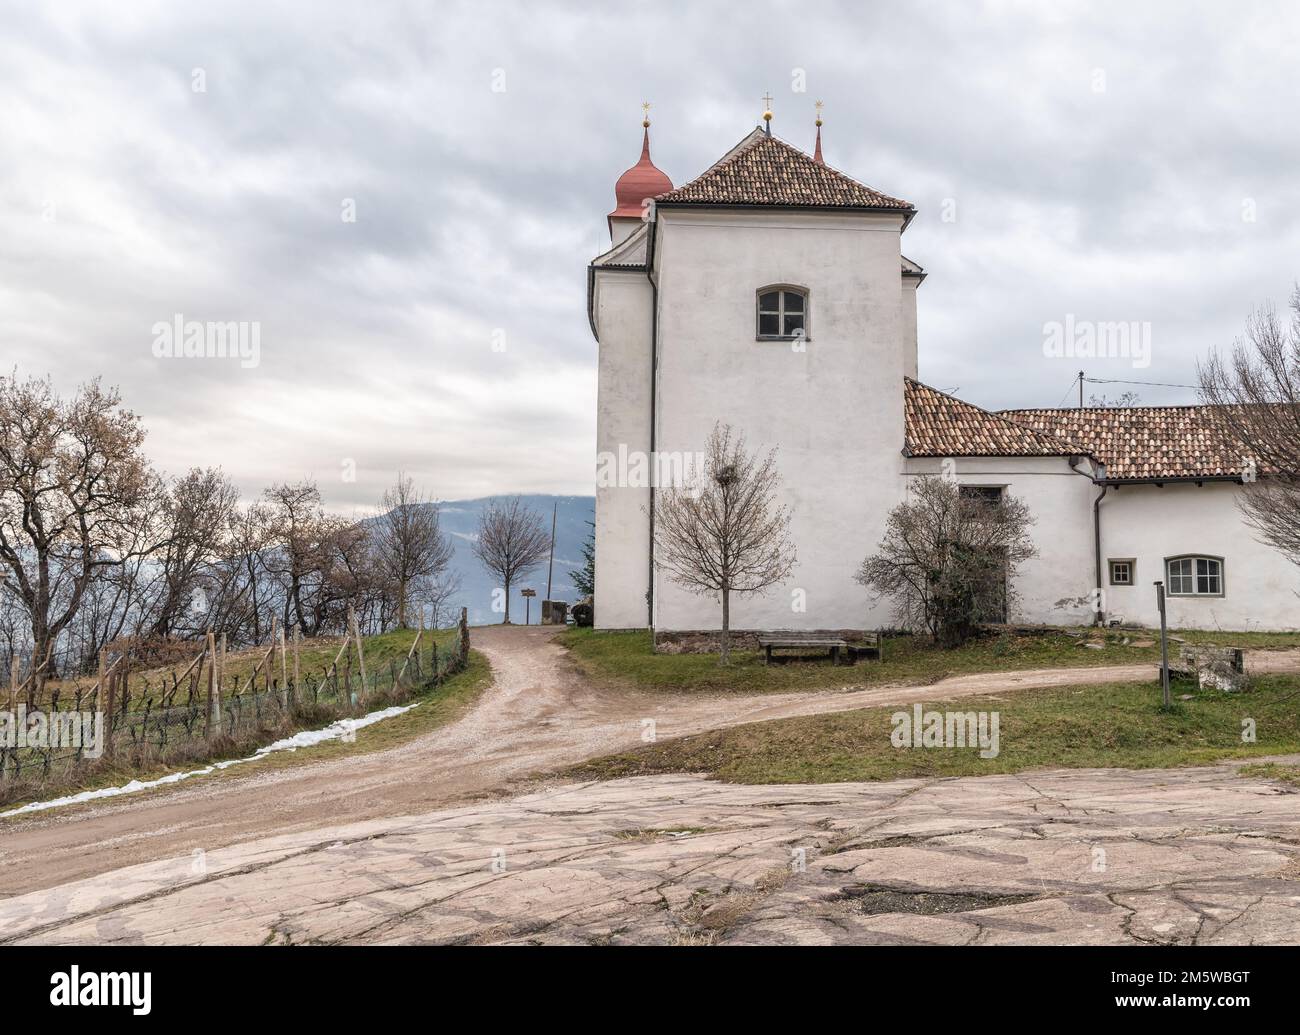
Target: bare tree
{"x":512,"y":541}
{"x":409,"y":542}
{"x":196,"y":517}
{"x":437,"y":592}
{"x":724,"y":533}
{"x":1121,"y":401}
{"x":1256,"y":394}
{"x":295,"y":534}
{"x":948,"y":560}
{"x":75,"y":489}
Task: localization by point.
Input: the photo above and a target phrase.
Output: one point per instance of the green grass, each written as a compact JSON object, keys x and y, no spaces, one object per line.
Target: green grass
{"x":627,"y":658}
{"x":1106,"y":726}
{"x":1288,"y":774}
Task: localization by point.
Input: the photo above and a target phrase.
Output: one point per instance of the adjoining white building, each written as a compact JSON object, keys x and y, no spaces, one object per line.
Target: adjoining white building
{"x":771,"y":293}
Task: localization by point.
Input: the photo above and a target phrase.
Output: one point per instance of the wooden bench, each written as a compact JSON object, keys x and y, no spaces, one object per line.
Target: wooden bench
{"x":870,"y":644}
{"x":797,"y":641}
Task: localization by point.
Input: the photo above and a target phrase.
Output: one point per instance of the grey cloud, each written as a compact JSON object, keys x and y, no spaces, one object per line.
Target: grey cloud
{"x":477,"y":211}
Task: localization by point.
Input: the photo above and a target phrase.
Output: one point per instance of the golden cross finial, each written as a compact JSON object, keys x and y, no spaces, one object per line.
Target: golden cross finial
{"x":767,"y":102}
{"x":645,"y":114}
{"x":818,"y":106}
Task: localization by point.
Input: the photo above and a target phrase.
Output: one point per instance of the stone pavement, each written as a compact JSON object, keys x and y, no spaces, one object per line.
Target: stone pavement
{"x":1198,"y":855}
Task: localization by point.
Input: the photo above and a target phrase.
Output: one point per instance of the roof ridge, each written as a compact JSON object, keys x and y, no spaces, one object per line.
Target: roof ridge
{"x":765,"y":170}
{"x":1114,"y":409}
{"x":740,"y":147}
{"x":830,"y":168}
{"x":1046,"y":439}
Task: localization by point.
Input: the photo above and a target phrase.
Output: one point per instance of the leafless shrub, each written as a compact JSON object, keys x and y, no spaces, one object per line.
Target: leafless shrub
{"x":948,"y":560}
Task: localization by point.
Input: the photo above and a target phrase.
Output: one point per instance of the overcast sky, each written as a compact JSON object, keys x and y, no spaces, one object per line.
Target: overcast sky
{"x":1135,"y":162}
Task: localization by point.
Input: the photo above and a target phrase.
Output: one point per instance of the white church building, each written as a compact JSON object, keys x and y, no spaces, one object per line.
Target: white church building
{"x":771,"y":293}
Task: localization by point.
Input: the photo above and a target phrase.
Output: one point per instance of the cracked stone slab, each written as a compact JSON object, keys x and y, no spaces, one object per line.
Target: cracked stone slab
{"x":1186,"y":856}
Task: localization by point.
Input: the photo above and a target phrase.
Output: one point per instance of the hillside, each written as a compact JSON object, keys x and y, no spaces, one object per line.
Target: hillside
{"x":460,"y":520}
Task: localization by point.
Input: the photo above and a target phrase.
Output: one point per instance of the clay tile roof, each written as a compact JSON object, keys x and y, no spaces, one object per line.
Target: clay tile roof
{"x":940,"y":425}
{"x":764,"y":170}
{"x":1145,"y":442}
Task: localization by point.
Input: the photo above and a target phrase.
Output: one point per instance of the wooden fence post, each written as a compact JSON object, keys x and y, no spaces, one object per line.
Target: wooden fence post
{"x":110,"y":699}
{"x":284,"y":669}
{"x":214,"y":717}
{"x":297,"y":634}
{"x":464,"y":636}
{"x":361,"y":651}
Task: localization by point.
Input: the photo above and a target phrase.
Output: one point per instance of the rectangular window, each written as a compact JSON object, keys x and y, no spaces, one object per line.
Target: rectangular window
{"x":1121,"y":572}
{"x":983,"y":493}
{"x":782,"y":314}
{"x":1195,"y":576}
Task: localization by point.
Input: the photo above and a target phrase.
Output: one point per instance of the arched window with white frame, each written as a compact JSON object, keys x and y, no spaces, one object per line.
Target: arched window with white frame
{"x":782,"y":312}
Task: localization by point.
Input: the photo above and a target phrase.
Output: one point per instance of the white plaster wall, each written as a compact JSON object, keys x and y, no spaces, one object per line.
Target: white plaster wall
{"x":910,"y":364}
{"x":834,"y":410}
{"x":1052,"y":586}
{"x":1151,"y":523}
{"x":623,"y":308}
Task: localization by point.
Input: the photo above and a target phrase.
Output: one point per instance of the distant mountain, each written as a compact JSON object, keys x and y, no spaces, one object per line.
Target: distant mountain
{"x":460,"y":519}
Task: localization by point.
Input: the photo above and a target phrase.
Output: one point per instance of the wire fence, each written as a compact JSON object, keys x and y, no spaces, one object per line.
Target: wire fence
{"x":195,"y":714}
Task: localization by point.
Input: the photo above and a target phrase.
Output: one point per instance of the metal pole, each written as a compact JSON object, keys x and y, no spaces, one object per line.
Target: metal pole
{"x":1164,"y":643}
{"x":550,"y":564}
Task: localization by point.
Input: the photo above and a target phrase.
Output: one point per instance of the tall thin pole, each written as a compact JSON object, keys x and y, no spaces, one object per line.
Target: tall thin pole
{"x":550,"y":564}
{"x":1081,"y":389}
{"x":1164,"y":643}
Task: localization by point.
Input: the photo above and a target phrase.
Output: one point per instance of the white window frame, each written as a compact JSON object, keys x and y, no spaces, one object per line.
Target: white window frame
{"x":1130,"y":563}
{"x":1176,"y":584}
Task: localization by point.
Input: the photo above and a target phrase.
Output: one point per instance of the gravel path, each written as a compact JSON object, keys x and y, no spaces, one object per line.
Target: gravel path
{"x":539,"y":714}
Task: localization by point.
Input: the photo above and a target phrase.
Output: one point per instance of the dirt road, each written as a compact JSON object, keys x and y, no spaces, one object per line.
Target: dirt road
{"x":539,"y":714}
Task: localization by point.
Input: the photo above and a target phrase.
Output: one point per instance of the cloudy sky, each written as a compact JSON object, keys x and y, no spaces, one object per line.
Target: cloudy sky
{"x":1126,"y":162}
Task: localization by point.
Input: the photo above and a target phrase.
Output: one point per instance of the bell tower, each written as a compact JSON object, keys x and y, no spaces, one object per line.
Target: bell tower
{"x":636,"y":187}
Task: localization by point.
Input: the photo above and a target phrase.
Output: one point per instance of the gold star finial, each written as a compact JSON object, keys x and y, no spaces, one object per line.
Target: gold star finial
{"x":645,"y":114}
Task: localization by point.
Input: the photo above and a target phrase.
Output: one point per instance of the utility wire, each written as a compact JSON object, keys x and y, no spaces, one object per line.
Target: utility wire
{"x":1148,"y":384}
{"x":1074,"y":381}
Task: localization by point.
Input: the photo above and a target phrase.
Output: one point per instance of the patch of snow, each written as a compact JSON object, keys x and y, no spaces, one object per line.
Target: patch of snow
{"x":307,"y":738}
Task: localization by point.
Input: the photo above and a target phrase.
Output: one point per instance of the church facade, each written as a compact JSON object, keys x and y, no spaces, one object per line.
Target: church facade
{"x":771,"y":293}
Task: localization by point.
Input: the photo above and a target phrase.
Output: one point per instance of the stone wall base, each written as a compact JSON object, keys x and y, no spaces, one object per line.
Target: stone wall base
{"x":708,"y":641}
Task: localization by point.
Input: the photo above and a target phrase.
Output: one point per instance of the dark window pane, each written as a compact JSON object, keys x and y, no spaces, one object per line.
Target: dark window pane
{"x":770,"y":301}
{"x":1202,"y":566}
{"x":793,"y":302}
{"x":767,"y":323}
{"x":793,"y":325}
{"x":984,"y":493}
